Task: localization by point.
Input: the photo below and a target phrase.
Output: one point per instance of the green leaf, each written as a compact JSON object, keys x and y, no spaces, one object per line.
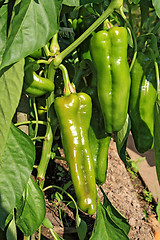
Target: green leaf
{"x":79,"y":2}
{"x":11,"y":82}
{"x":135,"y":1}
{"x":55,"y":235}
{"x":71,"y":2}
{"x":47,"y":223}
{"x":82,"y":230}
{"x":156,"y":6}
{"x":158,"y":211}
{"x":3,"y":28}
{"x":33,"y":24}
{"x":115,"y":215}
{"x":11,"y":233}
{"x":109,"y":223}
{"x":34,"y":209}
{"x":157,"y":137}
{"x":15,"y":169}
{"x":121,"y":138}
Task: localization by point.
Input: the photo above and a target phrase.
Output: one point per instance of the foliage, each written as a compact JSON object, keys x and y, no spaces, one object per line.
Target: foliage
{"x":50,"y":27}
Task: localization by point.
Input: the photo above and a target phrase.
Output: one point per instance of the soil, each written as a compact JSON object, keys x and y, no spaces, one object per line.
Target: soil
{"x":125,"y":191}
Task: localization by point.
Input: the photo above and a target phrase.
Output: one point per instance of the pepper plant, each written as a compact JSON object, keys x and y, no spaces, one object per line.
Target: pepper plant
{"x":89,"y":73}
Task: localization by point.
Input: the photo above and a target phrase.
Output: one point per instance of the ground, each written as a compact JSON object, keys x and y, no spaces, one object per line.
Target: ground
{"x":124,"y":189}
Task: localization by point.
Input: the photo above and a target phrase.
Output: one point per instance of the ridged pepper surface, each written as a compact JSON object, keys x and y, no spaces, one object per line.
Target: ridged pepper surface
{"x":74,"y":114}
{"x":109,"y":54}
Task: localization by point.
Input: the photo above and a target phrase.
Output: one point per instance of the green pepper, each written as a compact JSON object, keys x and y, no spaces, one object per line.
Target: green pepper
{"x":34,"y":84}
{"x":34,"y":92}
{"x":99,"y":142}
{"x":74,"y":114}
{"x":142,"y":101}
{"x":109,"y":54}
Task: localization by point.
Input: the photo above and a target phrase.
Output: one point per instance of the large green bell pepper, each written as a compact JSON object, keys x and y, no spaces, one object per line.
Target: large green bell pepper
{"x":109,"y":54}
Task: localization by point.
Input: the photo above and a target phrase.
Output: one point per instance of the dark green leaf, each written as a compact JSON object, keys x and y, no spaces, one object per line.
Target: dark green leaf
{"x":157,"y":137}
{"x":34,"y":22}
{"x":135,"y":1}
{"x":11,"y":81}
{"x":156,"y":5}
{"x":82,"y":230}
{"x":105,"y":228}
{"x":34,"y":209}
{"x":15,"y":169}
{"x":121,"y":138}
{"x":115,"y":215}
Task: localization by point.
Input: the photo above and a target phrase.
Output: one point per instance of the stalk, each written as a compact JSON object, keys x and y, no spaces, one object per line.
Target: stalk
{"x":78,"y":41}
{"x":133,"y":35}
{"x":51,"y":127}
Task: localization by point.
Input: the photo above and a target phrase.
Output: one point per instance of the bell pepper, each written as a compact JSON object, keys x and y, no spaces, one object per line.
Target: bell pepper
{"x":74,"y":115}
{"x":142,"y":101}
{"x":109,"y":54}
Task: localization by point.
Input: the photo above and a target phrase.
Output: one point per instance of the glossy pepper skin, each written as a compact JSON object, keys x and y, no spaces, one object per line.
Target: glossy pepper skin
{"x":99,"y":140}
{"x":34,"y":84}
{"x":109,"y":54}
{"x":74,"y":114}
{"x":142,"y":101}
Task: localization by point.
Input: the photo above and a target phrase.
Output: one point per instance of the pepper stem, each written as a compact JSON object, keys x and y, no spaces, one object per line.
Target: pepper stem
{"x":65,"y":79}
{"x":54,"y":47}
{"x":133,"y":35}
{"x":78,"y":41}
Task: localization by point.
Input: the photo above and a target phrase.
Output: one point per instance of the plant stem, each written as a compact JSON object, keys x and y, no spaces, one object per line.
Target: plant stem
{"x":36,"y":62}
{"x":78,"y":41}
{"x":32,"y":122}
{"x":133,"y":35}
{"x":50,"y":131}
{"x":26,"y":237}
{"x":36,"y":115}
{"x":39,"y":235}
{"x":45,"y":156}
{"x":38,"y":138}
{"x":54,"y":186}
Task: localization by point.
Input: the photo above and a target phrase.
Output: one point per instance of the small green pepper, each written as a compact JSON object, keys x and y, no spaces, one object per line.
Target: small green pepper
{"x":99,"y":142}
{"x":34,"y":84}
